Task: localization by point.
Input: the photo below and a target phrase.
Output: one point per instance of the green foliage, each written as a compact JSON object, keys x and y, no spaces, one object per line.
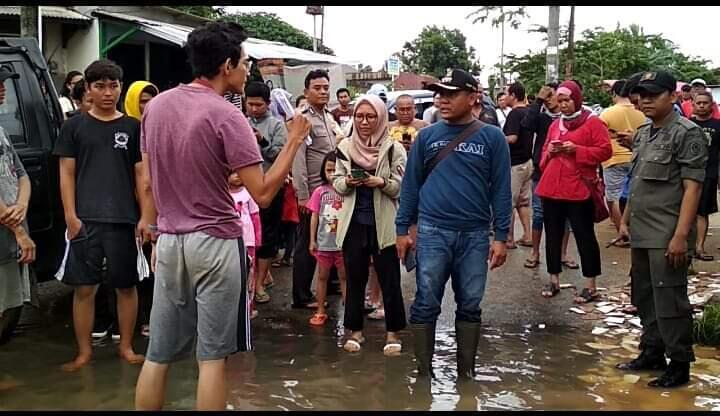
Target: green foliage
{"x":616,"y":54}
{"x":355,"y":92}
{"x":208,"y":12}
{"x":706,"y":330}
{"x":436,"y":50}
{"x":268,"y":26}
{"x":503,"y":14}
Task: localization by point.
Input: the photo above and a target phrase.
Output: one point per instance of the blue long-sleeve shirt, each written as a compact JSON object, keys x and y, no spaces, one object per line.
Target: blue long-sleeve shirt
{"x":466,"y":191}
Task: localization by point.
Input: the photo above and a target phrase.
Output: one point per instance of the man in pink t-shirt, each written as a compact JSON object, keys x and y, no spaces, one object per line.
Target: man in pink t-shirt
{"x":192,"y":139}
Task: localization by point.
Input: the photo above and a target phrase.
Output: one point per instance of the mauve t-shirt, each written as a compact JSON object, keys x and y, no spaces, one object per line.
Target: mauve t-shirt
{"x":194,"y":139}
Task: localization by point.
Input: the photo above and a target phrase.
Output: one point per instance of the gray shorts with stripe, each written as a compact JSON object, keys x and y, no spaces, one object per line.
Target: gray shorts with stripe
{"x":200,"y":298}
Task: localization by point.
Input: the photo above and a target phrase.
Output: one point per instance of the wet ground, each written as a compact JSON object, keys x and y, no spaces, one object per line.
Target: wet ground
{"x":533,"y":355}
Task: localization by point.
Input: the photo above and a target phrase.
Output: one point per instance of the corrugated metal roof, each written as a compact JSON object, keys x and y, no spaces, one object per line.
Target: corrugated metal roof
{"x":52,"y":12}
{"x":256,"y":48}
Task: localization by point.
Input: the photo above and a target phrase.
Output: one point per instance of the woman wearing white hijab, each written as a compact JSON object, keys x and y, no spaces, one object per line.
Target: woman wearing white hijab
{"x":368,"y":173}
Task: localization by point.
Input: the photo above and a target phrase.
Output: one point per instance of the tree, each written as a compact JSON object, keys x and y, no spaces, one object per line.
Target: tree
{"x":268,"y":26}
{"x":436,"y":50}
{"x":617,"y":54}
{"x":570,"y":62}
{"x":512,"y":16}
{"x":208,"y":12}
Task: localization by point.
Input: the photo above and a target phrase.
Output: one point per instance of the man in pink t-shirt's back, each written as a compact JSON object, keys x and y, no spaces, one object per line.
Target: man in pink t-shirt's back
{"x":192,"y":140}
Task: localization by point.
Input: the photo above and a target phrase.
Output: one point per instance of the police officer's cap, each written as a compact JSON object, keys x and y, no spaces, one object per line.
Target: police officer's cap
{"x":456,"y":81}
{"x":655,"y":82}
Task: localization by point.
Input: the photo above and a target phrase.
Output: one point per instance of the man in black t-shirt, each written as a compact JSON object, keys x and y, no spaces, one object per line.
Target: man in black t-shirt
{"x":702,"y":116}
{"x":101,"y":171}
{"x":520,"y":140}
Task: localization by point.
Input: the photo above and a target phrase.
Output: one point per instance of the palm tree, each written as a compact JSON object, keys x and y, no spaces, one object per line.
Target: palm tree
{"x":570,"y":62}
{"x":512,"y":16}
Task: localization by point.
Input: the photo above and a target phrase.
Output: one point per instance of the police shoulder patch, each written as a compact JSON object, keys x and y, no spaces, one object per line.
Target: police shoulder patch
{"x":695,"y":148}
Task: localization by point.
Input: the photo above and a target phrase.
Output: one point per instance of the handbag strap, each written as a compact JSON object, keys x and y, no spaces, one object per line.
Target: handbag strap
{"x":468,"y":131}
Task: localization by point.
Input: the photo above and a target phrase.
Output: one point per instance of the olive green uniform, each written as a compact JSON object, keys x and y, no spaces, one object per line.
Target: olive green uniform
{"x":662,"y":159}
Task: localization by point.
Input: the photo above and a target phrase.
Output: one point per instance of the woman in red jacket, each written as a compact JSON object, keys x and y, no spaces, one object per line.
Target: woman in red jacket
{"x":576,"y":144}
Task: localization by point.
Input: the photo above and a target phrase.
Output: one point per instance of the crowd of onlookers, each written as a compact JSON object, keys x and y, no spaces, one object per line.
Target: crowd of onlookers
{"x":212,"y":184}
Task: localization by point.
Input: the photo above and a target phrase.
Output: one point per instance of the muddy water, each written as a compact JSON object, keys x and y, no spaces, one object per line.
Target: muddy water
{"x":299,"y":368}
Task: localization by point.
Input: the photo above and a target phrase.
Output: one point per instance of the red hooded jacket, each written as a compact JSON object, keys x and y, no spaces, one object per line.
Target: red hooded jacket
{"x":562,"y":174}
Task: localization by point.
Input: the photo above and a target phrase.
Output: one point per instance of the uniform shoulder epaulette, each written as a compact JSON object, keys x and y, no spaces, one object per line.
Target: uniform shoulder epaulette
{"x":647,"y":123}
{"x":687,"y":123}
{"x":305,"y":111}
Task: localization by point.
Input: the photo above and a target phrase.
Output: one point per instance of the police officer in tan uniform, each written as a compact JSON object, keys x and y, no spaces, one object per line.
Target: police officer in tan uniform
{"x":306,"y":169}
{"x":668,"y":170}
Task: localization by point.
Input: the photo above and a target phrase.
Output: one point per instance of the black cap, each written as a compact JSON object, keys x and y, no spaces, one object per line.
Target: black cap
{"x":655,"y":82}
{"x":6,"y":73}
{"x":458,"y":80}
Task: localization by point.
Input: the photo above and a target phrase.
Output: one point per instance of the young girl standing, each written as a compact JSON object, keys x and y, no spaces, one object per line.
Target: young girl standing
{"x":252,"y":233}
{"x":325,"y":205}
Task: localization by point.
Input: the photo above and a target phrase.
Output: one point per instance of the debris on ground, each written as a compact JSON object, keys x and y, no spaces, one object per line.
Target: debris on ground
{"x":617,"y":318}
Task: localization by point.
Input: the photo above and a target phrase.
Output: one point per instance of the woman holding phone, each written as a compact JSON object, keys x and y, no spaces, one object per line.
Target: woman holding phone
{"x":368,"y":173}
{"x":577,"y":143}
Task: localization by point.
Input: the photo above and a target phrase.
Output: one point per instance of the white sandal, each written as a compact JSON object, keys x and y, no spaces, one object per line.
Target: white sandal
{"x":392,"y":348}
{"x":353,"y":345}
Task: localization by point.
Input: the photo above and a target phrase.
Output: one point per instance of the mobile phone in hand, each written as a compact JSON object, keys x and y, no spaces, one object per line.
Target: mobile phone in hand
{"x":358,"y":174}
{"x":410,"y":259}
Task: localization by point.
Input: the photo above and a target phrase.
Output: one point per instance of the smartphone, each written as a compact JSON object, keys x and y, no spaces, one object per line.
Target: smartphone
{"x":410,"y":260}
{"x":359,"y":174}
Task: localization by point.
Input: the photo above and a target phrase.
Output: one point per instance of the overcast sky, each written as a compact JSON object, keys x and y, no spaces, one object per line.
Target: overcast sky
{"x":370,"y":34}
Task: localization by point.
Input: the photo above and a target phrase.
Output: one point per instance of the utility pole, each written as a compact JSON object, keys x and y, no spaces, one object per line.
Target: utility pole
{"x":315,"y":11}
{"x":502,"y":47}
{"x":322,"y":27}
{"x":315,"y":45}
{"x":571,"y":45}
{"x":30,"y":23}
{"x":552,"y":58}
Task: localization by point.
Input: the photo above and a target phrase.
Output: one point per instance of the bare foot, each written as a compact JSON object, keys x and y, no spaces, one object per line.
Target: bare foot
{"x":79,"y":362}
{"x":131,"y":357}
{"x":9,"y":385}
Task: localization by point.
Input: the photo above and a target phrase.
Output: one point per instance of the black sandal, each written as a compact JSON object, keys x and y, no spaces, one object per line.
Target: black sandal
{"x":587,"y":296}
{"x":550,"y":288}
{"x":531,"y":263}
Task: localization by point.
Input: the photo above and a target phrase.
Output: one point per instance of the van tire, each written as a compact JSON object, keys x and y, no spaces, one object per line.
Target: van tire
{"x":8,"y":323}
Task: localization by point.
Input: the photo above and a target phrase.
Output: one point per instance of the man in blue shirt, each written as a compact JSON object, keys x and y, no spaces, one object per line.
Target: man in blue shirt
{"x":453,"y":206}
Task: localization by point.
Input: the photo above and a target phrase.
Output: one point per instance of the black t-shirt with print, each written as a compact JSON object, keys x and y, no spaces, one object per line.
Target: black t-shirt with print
{"x":712,"y":131}
{"x":521,"y":150}
{"x":105,"y":154}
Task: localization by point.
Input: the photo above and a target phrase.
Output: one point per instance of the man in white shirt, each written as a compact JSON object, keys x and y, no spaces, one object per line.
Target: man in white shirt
{"x":430,"y":115}
{"x":502,"y":110}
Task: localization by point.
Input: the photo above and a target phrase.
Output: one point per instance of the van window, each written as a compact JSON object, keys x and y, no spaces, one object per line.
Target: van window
{"x":11,"y":118}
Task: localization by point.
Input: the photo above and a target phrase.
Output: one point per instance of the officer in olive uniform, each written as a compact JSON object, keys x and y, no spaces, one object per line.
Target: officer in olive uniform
{"x":668,"y":169}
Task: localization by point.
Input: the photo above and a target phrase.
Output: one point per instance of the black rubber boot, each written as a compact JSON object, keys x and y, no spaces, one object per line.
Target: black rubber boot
{"x":467,"y":336}
{"x":647,"y":360}
{"x":424,"y":340}
{"x":676,"y":374}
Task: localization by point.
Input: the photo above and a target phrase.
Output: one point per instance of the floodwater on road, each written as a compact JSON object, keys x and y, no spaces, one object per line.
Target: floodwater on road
{"x":297,"y":367}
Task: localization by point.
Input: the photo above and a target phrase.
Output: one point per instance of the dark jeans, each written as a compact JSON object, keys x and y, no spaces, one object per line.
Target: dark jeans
{"x":270,"y":219}
{"x":580,"y":213}
{"x":361,"y":244}
{"x":304,"y":263}
{"x":443,"y":253}
{"x":105,"y":306}
{"x":287,"y":231}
